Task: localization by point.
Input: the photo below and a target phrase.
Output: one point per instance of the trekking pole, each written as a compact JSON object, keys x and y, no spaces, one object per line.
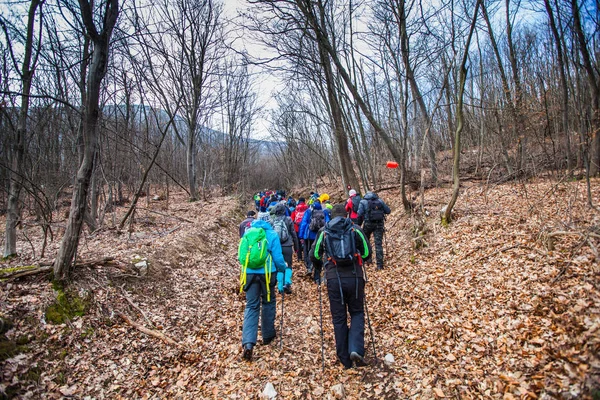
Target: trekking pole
{"x":369,"y":320}
{"x":281,"y":329}
{"x":322,"y":336}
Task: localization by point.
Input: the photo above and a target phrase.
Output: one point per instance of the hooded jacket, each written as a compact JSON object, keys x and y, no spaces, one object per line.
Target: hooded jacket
{"x":363,"y":207}
{"x":279,"y":212}
{"x":273,"y":247}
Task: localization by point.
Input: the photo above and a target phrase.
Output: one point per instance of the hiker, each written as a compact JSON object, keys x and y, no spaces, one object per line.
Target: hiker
{"x":258,"y":281}
{"x":257,"y":198}
{"x":245,"y":225}
{"x":297,"y":216}
{"x":284,"y":226}
{"x":373,"y":210}
{"x":352,"y":207}
{"x":313,"y":197}
{"x":341,"y":247}
{"x":313,"y":220}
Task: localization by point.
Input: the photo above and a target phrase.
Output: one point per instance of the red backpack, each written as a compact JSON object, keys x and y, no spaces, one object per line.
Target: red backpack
{"x":298,"y":218}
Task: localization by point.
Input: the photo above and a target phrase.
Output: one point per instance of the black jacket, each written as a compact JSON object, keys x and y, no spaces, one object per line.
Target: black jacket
{"x":318,"y":252}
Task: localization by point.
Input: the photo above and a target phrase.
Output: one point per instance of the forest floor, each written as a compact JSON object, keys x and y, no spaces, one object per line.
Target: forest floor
{"x":502,"y":303}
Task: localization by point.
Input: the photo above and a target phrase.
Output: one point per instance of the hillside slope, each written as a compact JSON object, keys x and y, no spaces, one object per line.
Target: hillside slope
{"x":503,"y":303}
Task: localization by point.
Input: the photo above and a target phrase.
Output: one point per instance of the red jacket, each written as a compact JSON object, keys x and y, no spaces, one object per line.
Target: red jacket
{"x":298,"y":212}
{"x":349,"y":209}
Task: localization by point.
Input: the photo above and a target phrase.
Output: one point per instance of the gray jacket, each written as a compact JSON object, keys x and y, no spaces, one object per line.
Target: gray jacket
{"x":363,"y":206}
{"x":292,"y":239}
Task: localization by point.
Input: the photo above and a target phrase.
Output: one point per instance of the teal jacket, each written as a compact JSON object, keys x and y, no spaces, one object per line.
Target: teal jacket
{"x":273,"y":247}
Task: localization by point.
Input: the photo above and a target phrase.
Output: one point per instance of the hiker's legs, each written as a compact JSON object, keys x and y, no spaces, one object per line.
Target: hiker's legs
{"x":250,"y":327}
{"x":339,"y":318}
{"x":356,"y":335}
{"x":378,"y":233}
{"x":368,"y":229}
{"x":300,"y":249}
{"x":267,"y":320}
{"x":282,"y":280}
{"x":307,"y":260}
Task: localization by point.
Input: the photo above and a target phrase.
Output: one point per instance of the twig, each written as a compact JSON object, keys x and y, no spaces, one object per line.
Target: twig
{"x":166,"y":215}
{"x":135,"y":306}
{"x":149,"y":332}
{"x":496,"y":252}
{"x":161,"y":234}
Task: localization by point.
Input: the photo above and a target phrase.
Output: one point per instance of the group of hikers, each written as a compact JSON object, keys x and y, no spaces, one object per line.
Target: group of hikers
{"x":324,"y":236}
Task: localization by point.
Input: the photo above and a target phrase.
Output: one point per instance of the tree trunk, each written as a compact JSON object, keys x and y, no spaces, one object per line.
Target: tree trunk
{"x":459,"y":122}
{"x":341,"y":138}
{"x":400,"y":15}
{"x":594,"y":151}
{"x":96,"y":73}
{"x":13,"y":211}
{"x":563,"y":84}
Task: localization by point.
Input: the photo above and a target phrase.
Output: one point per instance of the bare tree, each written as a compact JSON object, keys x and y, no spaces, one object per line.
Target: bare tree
{"x":31,"y":52}
{"x":446,"y":217}
{"x":97,"y":70}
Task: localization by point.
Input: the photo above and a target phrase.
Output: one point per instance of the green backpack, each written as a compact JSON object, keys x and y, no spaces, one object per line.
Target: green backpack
{"x":253,"y":253}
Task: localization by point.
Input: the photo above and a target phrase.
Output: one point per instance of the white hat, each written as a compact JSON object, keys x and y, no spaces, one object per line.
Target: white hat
{"x":352,"y":192}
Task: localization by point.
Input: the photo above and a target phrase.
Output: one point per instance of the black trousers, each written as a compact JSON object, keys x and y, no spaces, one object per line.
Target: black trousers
{"x":375,"y":228}
{"x":346,"y":296}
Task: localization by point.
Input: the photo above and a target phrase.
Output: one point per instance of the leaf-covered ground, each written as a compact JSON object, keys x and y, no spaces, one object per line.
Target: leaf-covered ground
{"x":502,"y":303}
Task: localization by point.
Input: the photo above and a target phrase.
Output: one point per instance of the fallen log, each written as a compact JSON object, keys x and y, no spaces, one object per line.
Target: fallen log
{"x":149,"y":332}
{"x":47,"y":267}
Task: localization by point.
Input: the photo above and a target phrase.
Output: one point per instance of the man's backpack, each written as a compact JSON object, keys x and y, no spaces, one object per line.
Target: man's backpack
{"x":252,"y":251}
{"x":340,"y":245}
{"x":375,"y":211}
{"x":355,"y":202}
{"x":317,"y":220}
{"x":280,"y":227}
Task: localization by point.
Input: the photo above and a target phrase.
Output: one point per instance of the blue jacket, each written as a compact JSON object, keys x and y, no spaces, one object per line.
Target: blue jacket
{"x":274,"y":248}
{"x":303,"y":231}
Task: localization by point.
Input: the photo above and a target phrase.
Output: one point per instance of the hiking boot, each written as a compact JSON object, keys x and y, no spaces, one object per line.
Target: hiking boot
{"x":287,"y":289}
{"x":247,"y":353}
{"x":309,"y":270}
{"x":359,"y":361}
{"x":269,"y":340}
{"x":379,"y":267}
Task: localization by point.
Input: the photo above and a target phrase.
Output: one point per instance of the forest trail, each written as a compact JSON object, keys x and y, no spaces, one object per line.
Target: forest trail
{"x":485,"y":310}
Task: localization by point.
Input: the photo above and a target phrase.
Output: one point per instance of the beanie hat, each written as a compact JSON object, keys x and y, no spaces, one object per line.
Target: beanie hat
{"x":324,"y":197}
{"x":301,"y":200}
{"x":352,"y":192}
{"x":339,"y":210}
{"x":250,"y":214}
